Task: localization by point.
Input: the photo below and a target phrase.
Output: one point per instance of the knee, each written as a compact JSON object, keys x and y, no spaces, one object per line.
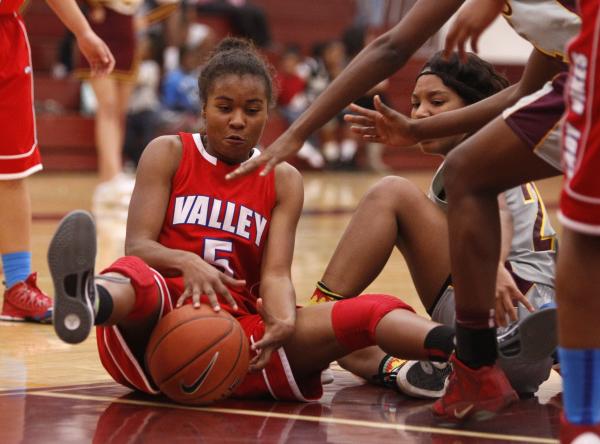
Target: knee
{"x":393,"y":192}
{"x":456,"y":169}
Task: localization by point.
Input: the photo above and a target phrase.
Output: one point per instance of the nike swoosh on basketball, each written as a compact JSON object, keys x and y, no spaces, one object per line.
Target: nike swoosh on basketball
{"x":462,"y":413}
{"x":190,"y":389}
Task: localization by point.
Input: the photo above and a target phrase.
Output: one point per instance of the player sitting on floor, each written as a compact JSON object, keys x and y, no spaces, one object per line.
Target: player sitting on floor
{"x":416,"y":224}
{"x":193,"y":236}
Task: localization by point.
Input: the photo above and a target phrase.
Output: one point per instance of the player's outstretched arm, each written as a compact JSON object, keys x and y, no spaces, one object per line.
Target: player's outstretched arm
{"x":277,"y":303}
{"x":539,"y":69}
{"x":380,"y":59}
{"x":473,"y":18}
{"x":92,"y":47}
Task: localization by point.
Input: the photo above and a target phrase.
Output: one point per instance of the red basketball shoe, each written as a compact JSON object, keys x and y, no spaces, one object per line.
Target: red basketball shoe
{"x":578,"y":434}
{"x":24,"y":301}
{"x":479,"y":393}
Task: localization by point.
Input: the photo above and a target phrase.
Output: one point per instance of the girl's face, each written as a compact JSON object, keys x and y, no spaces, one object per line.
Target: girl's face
{"x":235,"y":114}
{"x":431,"y":97}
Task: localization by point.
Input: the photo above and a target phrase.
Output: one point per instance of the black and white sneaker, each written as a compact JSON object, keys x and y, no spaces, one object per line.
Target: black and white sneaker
{"x":71,"y":258}
{"x":533,"y":338}
{"x":423,"y":379}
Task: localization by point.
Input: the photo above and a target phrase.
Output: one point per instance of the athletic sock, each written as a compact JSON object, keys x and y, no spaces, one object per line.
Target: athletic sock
{"x":324,"y":294}
{"x":103,"y":305}
{"x":580,"y":370}
{"x":476,"y":343}
{"x":387,"y":371}
{"x":439,"y":343}
{"x":17,"y":267}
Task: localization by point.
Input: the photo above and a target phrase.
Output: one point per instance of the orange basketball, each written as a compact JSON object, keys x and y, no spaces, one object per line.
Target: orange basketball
{"x":196,"y":355}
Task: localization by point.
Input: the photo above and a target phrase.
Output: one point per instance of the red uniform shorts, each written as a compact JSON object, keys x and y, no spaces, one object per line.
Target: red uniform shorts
{"x":19,"y":155}
{"x":580,"y":199}
{"x":275,"y":380}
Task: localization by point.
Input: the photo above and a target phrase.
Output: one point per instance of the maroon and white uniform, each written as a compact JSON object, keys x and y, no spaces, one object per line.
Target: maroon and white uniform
{"x":19,"y":154}
{"x":536,"y":118}
{"x":227,"y":224}
{"x":580,"y":199}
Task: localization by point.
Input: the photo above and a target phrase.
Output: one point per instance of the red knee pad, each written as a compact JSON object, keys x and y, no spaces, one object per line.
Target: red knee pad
{"x":354,"y":320}
{"x":142,"y":279}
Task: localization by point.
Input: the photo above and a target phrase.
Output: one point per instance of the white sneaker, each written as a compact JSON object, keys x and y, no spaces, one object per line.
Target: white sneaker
{"x":423,"y":379}
{"x":111,"y":198}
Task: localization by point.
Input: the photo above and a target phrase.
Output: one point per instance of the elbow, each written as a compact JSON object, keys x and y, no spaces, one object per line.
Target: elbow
{"x":392,"y":51}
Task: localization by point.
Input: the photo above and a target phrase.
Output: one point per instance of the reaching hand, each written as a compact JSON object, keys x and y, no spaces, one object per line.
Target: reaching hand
{"x":96,"y":52}
{"x":507,"y":293}
{"x":276,"y":334}
{"x":472,"y":19}
{"x":277,"y":152}
{"x":382,"y":125}
{"x":199,"y":277}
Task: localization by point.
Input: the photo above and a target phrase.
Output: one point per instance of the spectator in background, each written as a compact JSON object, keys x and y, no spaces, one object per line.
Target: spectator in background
{"x":247,"y":20}
{"x":113,"y":20}
{"x":180,"y":95}
{"x":143,"y":116}
{"x":292,"y":99}
{"x":355,"y":39}
{"x":338,"y":143}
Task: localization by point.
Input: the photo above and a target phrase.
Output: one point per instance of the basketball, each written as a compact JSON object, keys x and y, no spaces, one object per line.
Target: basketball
{"x":196,"y":355}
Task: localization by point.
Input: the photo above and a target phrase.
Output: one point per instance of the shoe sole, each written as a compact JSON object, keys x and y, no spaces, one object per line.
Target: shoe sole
{"x":72,"y":252}
{"x":538,"y":336}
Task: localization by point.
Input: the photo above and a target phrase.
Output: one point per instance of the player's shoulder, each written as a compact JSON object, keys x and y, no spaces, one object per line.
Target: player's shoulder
{"x":288,"y":181}
{"x":164,"y":152}
{"x":285,"y":172}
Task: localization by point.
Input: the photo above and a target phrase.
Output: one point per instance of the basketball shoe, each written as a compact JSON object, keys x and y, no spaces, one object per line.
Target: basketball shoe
{"x":523,"y":339}
{"x":423,"y":379}
{"x":24,"y":301}
{"x":71,"y":258}
{"x":578,"y":434}
{"x":478,"y":393}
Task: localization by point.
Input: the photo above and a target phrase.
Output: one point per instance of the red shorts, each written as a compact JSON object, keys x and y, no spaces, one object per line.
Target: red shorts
{"x":19,"y":154}
{"x":580,"y":199}
{"x":275,"y":381}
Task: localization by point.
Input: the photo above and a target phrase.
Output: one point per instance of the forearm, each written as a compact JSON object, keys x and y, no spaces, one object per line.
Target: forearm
{"x":69,"y":13}
{"x":279,"y":299}
{"x":376,"y":62}
{"x":168,"y":261}
{"x":464,"y":120}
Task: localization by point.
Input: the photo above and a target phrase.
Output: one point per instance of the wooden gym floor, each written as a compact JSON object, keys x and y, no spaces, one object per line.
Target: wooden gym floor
{"x":51,"y":392}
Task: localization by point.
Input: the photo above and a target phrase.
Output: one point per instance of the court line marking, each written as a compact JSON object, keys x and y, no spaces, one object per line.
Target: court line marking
{"x":307,"y":418}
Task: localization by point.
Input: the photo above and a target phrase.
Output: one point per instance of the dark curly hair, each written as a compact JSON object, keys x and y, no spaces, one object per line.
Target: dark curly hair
{"x":235,"y":56}
{"x":473,"y":80}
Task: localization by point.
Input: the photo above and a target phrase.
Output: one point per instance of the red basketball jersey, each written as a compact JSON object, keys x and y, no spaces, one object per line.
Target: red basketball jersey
{"x":224,"y":222}
{"x":10,"y":6}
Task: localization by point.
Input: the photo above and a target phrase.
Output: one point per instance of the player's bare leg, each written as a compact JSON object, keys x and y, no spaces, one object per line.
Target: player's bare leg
{"x":578,"y":283}
{"x":23,"y":300}
{"x":476,"y":172}
{"x":394,"y":212}
{"x":399,"y":333}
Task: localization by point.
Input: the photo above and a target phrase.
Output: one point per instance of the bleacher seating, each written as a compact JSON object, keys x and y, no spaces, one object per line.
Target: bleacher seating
{"x":67,"y":138}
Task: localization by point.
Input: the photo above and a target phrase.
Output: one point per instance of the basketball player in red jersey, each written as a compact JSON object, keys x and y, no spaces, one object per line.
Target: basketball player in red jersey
{"x":19,"y":155}
{"x":193,"y":235}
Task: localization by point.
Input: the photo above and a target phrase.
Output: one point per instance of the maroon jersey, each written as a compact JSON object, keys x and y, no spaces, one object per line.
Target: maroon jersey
{"x":224,"y":222}
{"x":10,"y":6}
